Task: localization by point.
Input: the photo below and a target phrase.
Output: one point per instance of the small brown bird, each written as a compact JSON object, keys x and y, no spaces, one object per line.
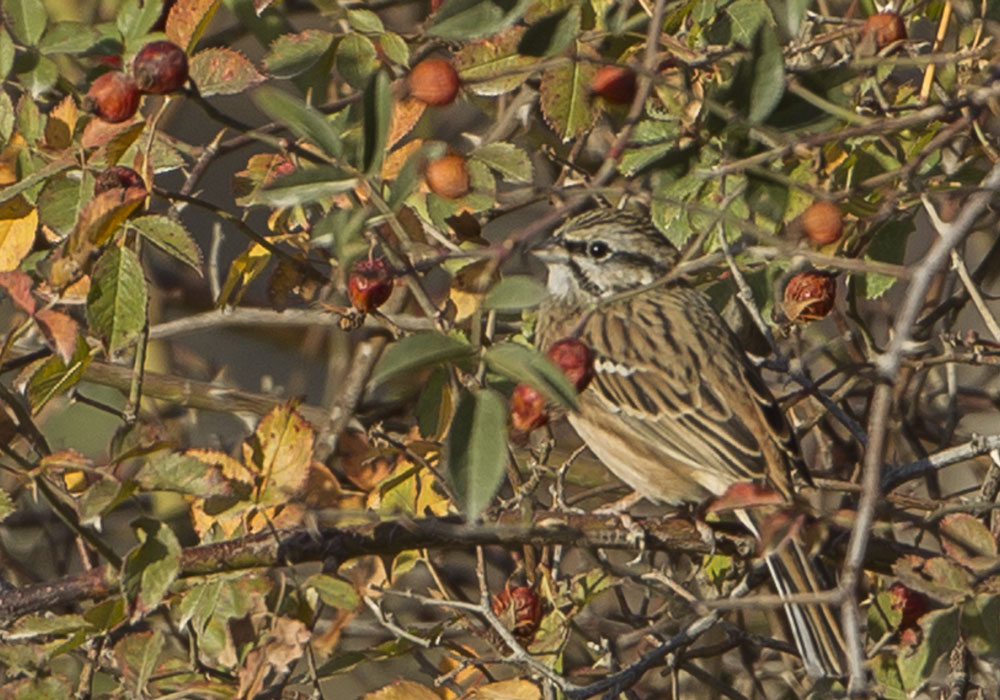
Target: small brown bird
{"x":675,"y":409}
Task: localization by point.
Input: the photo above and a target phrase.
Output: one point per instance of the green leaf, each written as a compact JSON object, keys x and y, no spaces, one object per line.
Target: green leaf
{"x":335,"y":592}
{"x":979,"y":626}
{"x":116,"y":303}
{"x":221,"y":71}
{"x":26,"y":183}
{"x":304,"y":186}
{"x":376,"y":120}
{"x":511,"y":162}
{"x":552,"y":34}
{"x":420,"y":351}
{"x":55,"y":376}
{"x":434,"y":404}
{"x":768,"y":67}
{"x":37,"y":75}
{"x":888,"y":245}
{"x":940,"y":632}
{"x":565,"y":95}
{"x":301,"y":119}
{"x":515,"y":292}
{"x":137,"y":655}
{"x":355,"y":60}
{"x":136,"y":19}
{"x":493,"y":66}
{"x":746,"y":16}
{"x":182,"y":473}
{"x":6,"y":505}
{"x":68,"y":37}
{"x":460,"y":20}
{"x":521,"y":363}
{"x":153,"y":565}
{"x":27,"y":19}
{"x":394,"y":48}
{"x":365,"y":21}
{"x":292,"y":54}
{"x":6,"y":116}
{"x":476,"y":449}
{"x":61,"y":200}
{"x":171,"y":237}
{"x":7,"y":52}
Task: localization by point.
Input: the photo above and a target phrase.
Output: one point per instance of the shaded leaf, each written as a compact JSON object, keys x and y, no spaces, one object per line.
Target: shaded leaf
{"x":768,"y":82}
{"x":54,"y":376}
{"x":565,"y":95}
{"x":476,"y":449}
{"x":521,"y":363}
{"x":551,"y":34}
{"x":460,"y":20}
{"x":511,"y":162}
{"x":303,"y":121}
{"x":335,"y":591}
{"x":292,"y":54}
{"x":420,"y":351}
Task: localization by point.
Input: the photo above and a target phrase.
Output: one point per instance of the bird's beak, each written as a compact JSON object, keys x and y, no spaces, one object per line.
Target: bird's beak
{"x":549,"y":250}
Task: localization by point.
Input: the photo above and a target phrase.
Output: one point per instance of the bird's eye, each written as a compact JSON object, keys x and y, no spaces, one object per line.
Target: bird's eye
{"x":598,"y":250}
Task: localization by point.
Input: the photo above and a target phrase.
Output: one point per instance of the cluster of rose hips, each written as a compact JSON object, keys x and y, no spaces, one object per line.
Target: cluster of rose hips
{"x":160,"y":67}
{"x":528,"y":409}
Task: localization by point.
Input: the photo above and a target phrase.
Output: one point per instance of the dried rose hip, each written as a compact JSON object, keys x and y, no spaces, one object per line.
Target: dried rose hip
{"x":527,"y":409}
{"x":117,"y":176}
{"x":520,"y":610}
{"x":912,"y":604}
{"x":369,"y":284}
{"x":616,"y":84}
{"x":885,"y":27}
{"x":823,"y":223}
{"x":434,"y":81}
{"x":113,"y":97}
{"x":160,"y":67}
{"x":448,"y":176}
{"x":575,"y":359}
{"x":809,"y":296}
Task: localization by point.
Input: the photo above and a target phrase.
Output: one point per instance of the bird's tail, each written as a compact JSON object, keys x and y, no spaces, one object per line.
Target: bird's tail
{"x":814,"y":626}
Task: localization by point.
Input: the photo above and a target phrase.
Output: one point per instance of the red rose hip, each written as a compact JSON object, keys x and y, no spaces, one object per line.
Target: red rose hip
{"x":823,"y":223}
{"x":809,"y":296}
{"x":448,"y":176}
{"x":369,"y":284}
{"x":113,"y":97}
{"x":616,"y":84}
{"x":575,"y":359}
{"x":885,"y":27}
{"x":527,"y":409}
{"x":160,"y":67}
{"x":434,"y":81}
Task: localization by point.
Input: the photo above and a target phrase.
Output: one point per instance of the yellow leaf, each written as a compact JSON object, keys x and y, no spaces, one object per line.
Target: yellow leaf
{"x":18,"y":222}
{"x":61,"y":123}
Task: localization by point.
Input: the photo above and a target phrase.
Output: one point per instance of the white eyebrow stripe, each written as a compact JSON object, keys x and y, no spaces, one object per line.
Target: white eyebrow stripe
{"x":611,"y":367}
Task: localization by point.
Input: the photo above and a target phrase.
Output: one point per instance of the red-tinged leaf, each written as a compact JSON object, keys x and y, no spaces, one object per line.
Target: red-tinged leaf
{"x":565,"y":94}
{"x":223,"y":72}
{"x":18,"y":221}
{"x":745,"y":495}
{"x":102,"y":216}
{"x":60,"y":332}
{"x":18,"y":287}
{"x":187,"y":21}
